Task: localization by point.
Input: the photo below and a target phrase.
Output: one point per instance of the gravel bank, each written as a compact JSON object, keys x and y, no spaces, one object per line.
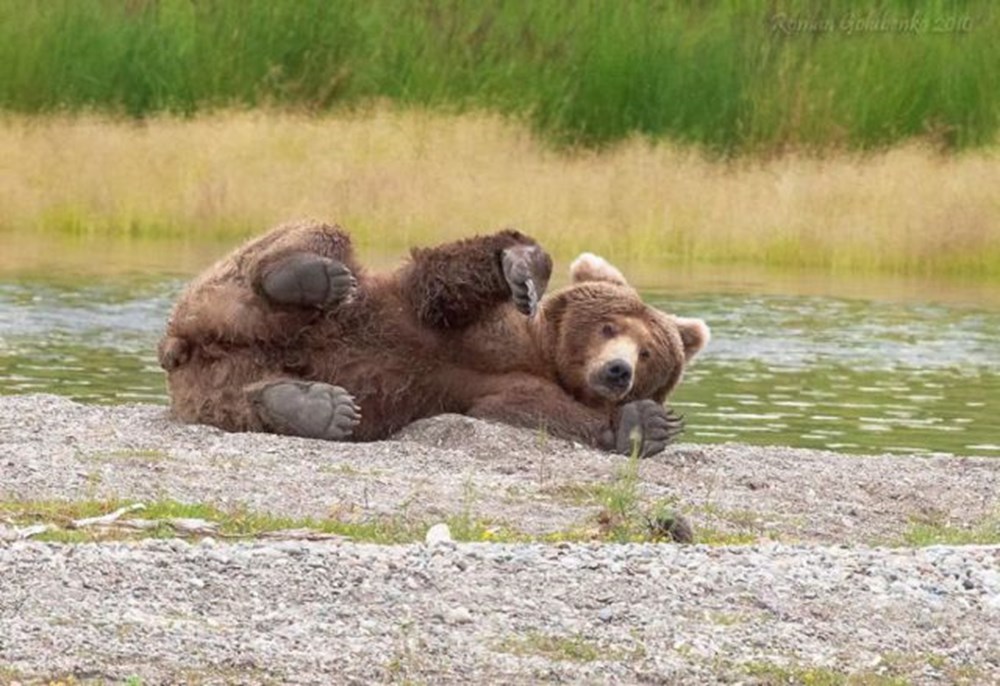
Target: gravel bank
{"x":820,"y":602}
{"x":488,"y":613}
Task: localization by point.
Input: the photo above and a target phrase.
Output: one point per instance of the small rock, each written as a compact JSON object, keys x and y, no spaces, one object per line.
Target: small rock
{"x":672,"y":526}
{"x":439,"y":533}
{"x":458,"y":615}
{"x":990,"y":578}
{"x":606,"y":614}
{"x":219,"y":555}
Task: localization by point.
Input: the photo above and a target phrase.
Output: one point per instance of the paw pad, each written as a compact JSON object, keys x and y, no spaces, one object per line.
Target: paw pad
{"x":308,"y":409}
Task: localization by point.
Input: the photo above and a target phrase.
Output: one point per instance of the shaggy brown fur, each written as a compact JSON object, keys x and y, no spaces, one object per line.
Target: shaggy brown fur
{"x":437,"y":335}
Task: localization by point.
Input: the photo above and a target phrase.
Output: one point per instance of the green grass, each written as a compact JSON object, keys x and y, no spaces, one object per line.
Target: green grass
{"x":241,"y":522}
{"x":623,"y":519}
{"x":769,"y":674}
{"x":131,"y":455}
{"x":569,"y":648}
{"x":730,"y":76}
{"x":935,"y":532}
{"x":894,"y":669}
{"x":238,"y":522}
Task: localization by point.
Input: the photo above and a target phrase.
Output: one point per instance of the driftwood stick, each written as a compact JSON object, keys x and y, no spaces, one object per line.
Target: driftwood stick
{"x":183,"y":525}
{"x":105,"y":519}
{"x":21,"y":533}
{"x":302,"y":535}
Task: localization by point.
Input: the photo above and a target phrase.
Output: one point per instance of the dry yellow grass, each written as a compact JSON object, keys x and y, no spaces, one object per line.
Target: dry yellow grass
{"x":396,"y":178}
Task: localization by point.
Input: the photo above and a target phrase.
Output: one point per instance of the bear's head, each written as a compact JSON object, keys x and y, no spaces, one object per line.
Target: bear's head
{"x":609,"y":347}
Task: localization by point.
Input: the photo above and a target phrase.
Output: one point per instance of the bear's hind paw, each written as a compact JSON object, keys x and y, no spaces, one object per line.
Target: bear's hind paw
{"x":309,"y":280}
{"x":307,"y":409}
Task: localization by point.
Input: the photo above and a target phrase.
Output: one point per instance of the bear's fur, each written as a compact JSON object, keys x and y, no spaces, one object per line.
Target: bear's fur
{"x":290,"y":334}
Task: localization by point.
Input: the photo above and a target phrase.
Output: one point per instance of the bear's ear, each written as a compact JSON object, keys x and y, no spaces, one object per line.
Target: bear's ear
{"x":695,"y":335}
{"x":590,"y":267}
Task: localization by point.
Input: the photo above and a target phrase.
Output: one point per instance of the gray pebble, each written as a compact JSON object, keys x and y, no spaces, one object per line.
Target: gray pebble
{"x":458,"y":615}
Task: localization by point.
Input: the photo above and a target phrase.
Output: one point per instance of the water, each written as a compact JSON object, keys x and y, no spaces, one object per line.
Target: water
{"x":848,"y":375}
{"x":883,"y":366}
{"x":91,"y":342}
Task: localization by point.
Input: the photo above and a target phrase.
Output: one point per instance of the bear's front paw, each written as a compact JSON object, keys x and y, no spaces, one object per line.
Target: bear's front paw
{"x":645,"y":427}
{"x":308,"y":409}
{"x":526,"y":269}
{"x":308,"y":280}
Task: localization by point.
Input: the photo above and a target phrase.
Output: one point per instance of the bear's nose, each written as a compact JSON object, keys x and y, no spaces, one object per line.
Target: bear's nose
{"x":617,"y":373}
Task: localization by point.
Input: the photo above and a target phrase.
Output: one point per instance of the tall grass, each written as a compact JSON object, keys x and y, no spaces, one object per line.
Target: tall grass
{"x":398,"y":178}
{"x":733,"y":76}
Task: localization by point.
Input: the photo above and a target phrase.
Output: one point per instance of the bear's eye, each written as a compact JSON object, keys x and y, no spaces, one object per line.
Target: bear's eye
{"x":608,"y":331}
{"x":643,"y":354}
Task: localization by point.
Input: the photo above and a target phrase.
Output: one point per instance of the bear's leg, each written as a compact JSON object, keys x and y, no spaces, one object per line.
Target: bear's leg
{"x":454,"y":285}
{"x":642,"y":427}
{"x":305,"y":408}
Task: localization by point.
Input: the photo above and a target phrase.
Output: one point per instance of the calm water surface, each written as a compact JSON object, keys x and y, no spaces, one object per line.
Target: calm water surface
{"x":813,"y":362}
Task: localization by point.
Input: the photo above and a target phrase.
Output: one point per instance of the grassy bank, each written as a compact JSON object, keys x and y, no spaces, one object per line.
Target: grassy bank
{"x":400,"y":178}
{"x":733,"y":77}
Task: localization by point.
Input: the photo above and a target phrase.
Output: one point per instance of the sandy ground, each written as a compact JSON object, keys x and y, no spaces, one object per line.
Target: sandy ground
{"x":825,"y":585}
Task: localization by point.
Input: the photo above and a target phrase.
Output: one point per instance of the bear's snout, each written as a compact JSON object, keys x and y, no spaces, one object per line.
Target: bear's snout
{"x":617,"y":374}
{"x":612,"y":371}
{"x":613,"y":379}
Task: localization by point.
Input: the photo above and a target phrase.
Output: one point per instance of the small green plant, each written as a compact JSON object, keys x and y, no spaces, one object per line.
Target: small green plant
{"x":739,"y":526}
{"x":727,"y":618}
{"x":572,"y":648}
{"x":620,"y":516}
{"x":574,"y":492}
{"x":137,"y":454}
{"x":542,"y":437}
{"x":708,"y":535}
{"x":625,"y":518}
{"x":569,"y":648}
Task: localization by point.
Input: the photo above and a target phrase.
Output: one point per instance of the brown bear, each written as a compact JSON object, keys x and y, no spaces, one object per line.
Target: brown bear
{"x":289,"y":334}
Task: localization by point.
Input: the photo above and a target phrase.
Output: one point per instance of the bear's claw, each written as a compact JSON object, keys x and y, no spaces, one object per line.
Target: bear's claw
{"x":526,"y":268}
{"x":309,"y":280}
{"x":645,"y":428}
{"x":308,"y":409}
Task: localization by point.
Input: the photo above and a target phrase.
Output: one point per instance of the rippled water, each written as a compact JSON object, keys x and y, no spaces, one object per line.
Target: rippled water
{"x":850,"y":374}
{"x":94,"y":343}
